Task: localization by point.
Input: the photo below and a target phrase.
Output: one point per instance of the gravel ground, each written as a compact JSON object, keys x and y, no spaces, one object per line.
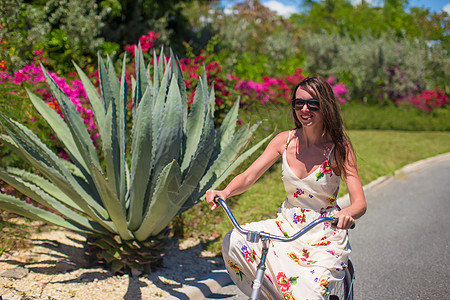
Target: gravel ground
{"x":55,"y":267}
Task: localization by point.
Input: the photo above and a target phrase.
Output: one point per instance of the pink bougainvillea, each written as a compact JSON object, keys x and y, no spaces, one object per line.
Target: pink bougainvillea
{"x":32,"y":75}
{"x":428,"y":100}
{"x":278,"y":90}
{"x":147,"y":42}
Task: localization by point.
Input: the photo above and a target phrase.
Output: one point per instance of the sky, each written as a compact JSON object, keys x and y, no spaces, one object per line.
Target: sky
{"x":286,"y":7}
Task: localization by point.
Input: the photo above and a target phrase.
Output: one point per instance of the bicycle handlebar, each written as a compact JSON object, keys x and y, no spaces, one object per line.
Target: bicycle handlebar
{"x":255,"y":236}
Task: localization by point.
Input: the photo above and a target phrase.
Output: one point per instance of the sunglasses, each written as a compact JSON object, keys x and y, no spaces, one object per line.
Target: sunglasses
{"x":313,"y":105}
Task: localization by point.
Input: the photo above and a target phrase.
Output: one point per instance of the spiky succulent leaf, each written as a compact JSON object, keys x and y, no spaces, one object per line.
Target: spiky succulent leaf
{"x":112,"y":204}
{"x":98,"y":106}
{"x":22,"y":208}
{"x":60,"y":128}
{"x":75,"y":122}
{"x":141,"y":159}
{"x":195,"y":123}
{"x":45,"y":185}
{"x":166,"y":189}
{"x":39,"y":156}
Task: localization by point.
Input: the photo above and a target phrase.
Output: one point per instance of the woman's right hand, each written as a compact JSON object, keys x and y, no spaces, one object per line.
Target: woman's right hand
{"x":211,"y":196}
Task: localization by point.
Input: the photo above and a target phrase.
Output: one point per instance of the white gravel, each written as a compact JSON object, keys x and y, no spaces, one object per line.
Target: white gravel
{"x":58,"y":269}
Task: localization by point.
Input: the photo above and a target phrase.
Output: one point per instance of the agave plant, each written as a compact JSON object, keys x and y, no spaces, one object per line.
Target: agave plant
{"x":124,"y":196}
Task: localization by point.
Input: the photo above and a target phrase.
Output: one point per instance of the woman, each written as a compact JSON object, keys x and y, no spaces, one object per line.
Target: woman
{"x":315,"y":155}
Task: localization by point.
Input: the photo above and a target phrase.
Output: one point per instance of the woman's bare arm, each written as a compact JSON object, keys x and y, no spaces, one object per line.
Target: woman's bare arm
{"x":246,"y":179}
{"x":358,"y":206}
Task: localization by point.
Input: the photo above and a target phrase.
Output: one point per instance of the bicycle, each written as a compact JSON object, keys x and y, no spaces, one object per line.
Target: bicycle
{"x":343,"y":290}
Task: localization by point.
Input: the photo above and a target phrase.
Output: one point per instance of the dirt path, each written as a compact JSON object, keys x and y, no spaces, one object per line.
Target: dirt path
{"x":55,"y":267}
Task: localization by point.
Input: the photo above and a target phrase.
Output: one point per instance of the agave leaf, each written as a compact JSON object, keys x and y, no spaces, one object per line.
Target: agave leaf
{"x":59,"y":127}
{"x":195,"y":123}
{"x":228,"y":155}
{"x":141,"y":159}
{"x":45,"y":185}
{"x":156,"y":77}
{"x":22,"y":208}
{"x":159,"y":100}
{"x":39,"y":156}
{"x":162,"y":201}
{"x":226,"y":131}
{"x":212,"y":99}
{"x":106,"y":88}
{"x":183,"y":92}
{"x":40,"y":196}
{"x":238,"y":161}
{"x":116,"y":265}
{"x":198,"y":166}
{"x":161,"y":62}
{"x":75,"y":122}
{"x":122,"y":138}
{"x":112,"y":204}
{"x":114,"y":148}
{"x":142,"y":80}
{"x":170,"y":134}
{"x":98,"y":106}
{"x":113,"y":79}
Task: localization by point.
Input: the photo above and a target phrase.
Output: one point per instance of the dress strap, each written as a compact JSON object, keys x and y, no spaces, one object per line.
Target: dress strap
{"x":329,"y":153}
{"x":289,"y":138}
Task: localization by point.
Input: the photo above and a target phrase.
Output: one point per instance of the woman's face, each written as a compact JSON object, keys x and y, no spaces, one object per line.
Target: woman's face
{"x":307,"y":117}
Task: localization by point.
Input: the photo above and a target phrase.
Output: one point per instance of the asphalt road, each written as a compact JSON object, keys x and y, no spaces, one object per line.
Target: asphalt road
{"x":401,"y":246}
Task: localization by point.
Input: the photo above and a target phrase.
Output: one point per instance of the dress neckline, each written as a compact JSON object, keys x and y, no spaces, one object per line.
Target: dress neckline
{"x":289,"y":167}
{"x":295,"y":175}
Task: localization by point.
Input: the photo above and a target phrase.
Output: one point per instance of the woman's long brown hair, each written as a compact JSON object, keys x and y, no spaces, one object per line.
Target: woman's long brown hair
{"x":319,"y":89}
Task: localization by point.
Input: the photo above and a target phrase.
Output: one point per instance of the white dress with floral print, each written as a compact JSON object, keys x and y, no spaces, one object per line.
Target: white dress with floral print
{"x":308,"y":267}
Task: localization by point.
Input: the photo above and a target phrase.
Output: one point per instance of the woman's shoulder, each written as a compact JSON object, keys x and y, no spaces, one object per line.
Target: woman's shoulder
{"x":284,"y":136}
{"x":282,"y":139}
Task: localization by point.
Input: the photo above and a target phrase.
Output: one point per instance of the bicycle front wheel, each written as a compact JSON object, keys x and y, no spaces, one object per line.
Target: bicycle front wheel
{"x":343,"y":290}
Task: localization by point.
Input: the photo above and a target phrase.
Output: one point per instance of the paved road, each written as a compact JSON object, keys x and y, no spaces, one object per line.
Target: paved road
{"x":401,"y":246}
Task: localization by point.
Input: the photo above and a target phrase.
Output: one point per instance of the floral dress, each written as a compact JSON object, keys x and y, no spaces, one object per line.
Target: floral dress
{"x":308,"y":267}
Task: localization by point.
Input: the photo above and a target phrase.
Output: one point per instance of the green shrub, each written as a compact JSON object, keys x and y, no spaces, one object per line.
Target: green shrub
{"x":374,"y":68}
{"x":391,"y":117}
{"x":63,"y":29}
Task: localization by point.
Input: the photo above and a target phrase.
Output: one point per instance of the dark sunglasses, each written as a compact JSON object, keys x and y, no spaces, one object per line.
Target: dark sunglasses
{"x":313,"y":105}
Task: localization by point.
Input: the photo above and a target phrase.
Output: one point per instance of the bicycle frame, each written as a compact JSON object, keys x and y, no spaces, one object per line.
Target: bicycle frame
{"x":256,"y":236}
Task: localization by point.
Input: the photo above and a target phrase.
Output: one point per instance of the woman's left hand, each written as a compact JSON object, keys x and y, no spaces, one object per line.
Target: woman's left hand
{"x":345,"y":221}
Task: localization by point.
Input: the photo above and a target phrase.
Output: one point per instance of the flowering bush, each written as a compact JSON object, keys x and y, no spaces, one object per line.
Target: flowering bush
{"x":340,"y":90}
{"x":147,"y":42}
{"x":428,"y":100}
{"x":32,"y":77}
{"x":192,"y":69}
{"x":278,"y":90}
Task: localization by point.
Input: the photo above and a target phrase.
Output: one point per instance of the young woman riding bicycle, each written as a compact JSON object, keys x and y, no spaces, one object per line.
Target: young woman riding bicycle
{"x":315,"y":155}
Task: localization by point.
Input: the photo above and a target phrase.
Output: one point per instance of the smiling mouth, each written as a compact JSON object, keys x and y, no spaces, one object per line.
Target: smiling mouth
{"x":306,"y":117}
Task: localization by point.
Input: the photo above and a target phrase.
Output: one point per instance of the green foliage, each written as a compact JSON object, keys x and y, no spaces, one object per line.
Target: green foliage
{"x":344,"y":17}
{"x":63,"y":29}
{"x":125,"y":198}
{"x":254,"y":41}
{"x":373,"y":68}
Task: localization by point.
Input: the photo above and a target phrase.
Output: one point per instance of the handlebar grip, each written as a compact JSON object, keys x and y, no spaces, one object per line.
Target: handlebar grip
{"x":336,"y":221}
